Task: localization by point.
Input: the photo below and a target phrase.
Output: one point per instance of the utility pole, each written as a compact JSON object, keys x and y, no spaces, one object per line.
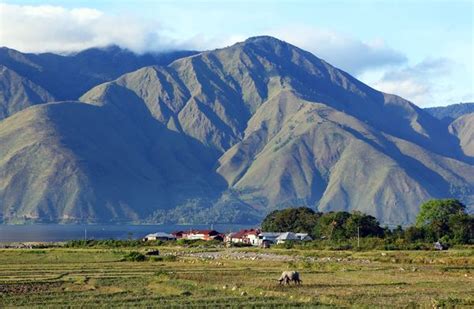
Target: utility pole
{"x":85,"y":233}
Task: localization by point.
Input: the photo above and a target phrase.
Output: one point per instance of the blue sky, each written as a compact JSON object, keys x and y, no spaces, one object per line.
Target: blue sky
{"x":421,"y":50}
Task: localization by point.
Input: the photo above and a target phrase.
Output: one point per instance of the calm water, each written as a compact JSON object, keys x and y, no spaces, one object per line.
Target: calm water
{"x":58,"y":232}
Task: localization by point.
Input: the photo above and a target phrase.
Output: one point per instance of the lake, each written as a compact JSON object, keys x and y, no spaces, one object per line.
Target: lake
{"x":63,"y":232}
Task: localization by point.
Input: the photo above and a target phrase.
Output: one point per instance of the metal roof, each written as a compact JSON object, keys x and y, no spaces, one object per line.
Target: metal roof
{"x":160,"y":235}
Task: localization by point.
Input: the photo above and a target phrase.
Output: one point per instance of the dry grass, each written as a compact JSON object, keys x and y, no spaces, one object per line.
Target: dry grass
{"x":90,"y":277}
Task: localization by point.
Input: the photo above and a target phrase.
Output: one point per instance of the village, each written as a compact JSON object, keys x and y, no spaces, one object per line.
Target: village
{"x":250,"y":237}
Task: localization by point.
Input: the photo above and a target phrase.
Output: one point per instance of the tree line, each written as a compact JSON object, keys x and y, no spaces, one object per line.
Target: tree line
{"x":444,"y":220}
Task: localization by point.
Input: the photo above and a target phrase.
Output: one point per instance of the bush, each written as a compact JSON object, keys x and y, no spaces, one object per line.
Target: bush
{"x":134,"y":256}
{"x":240,"y":245}
{"x":198,"y":243}
{"x":164,"y":258}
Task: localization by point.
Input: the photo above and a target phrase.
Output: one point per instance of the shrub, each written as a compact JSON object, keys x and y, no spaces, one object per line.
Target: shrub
{"x":164,"y":258}
{"x":134,"y":256}
{"x":240,"y":245}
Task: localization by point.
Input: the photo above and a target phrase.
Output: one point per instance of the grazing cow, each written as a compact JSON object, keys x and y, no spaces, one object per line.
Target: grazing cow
{"x":288,"y":276}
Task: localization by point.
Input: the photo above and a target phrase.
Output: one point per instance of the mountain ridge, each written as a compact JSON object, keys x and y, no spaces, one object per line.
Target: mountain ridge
{"x":265,"y":125}
{"x":449,"y":113}
{"x":68,"y":76}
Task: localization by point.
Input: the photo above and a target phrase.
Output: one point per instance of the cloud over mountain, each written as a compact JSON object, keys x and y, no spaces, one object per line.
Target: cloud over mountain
{"x":348,"y":53}
{"x":418,"y":82}
{"x":45,"y":28}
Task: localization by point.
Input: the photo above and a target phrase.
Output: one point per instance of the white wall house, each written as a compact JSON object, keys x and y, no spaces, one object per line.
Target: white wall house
{"x":159,"y":236}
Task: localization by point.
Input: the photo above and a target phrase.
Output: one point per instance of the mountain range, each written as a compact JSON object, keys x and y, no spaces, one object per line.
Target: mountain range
{"x":51,"y":77}
{"x":221,"y":136}
{"x":451,"y":112}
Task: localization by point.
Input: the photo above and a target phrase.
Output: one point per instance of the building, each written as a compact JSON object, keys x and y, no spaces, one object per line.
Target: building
{"x":178,"y":234}
{"x":268,"y":238}
{"x":285,"y":237}
{"x":202,"y":235}
{"x":159,"y":236}
{"x":303,"y":236}
{"x":247,"y":236}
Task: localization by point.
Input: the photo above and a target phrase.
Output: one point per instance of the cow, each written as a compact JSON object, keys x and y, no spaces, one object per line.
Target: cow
{"x":288,"y":276}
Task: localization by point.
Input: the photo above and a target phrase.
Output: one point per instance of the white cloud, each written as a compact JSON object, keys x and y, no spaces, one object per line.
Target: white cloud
{"x":410,"y":89}
{"x":44,"y":28}
{"x":421,"y":83}
{"x":53,"y":28}
{"x":47,"y":28}
{"x":350,"y":54}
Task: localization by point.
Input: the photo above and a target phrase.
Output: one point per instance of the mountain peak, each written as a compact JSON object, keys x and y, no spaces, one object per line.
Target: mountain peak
{"x":268,"y":41}
{"x":264,"y":38}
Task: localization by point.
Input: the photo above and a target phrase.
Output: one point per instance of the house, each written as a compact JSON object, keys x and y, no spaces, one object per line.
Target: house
{"x":202,"y":235}
{"x":265,"y":243}
{"x":290,"y":236}
{"x":159,"y":236}
{"x":246,"y":236}
{"x":303,"y":236}
{"x":285,"y":237}
{"x":267,"y":237}
{"x":178,"y":234}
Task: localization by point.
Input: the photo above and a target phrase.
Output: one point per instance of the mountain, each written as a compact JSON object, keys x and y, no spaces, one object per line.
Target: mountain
{"x":67,"y":77}
{"x":449,"y":113}
{"x":463,"y":128}
{"x":17,"y":93}
{"x":70,"y":161}
{"x":227,"y":136}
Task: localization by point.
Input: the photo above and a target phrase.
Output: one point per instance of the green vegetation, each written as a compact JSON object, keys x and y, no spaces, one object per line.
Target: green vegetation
{"x":445,"y":220}
{"x":337,"y":225}
{"x":243,"y":277}
{"x":298,"y":220}
{"x":134,"y":256}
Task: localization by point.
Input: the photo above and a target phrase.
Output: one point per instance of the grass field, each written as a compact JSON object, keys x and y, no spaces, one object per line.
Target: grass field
{"x":236,"y":278}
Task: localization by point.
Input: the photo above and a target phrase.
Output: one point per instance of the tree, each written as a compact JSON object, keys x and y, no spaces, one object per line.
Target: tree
{"x":462,"y":228}
{"x":364,"y":225}
{"x":413,"y":234}
{"x":331,"y":225}
{"x":440,"y":217}
{"x":298,"y":220}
